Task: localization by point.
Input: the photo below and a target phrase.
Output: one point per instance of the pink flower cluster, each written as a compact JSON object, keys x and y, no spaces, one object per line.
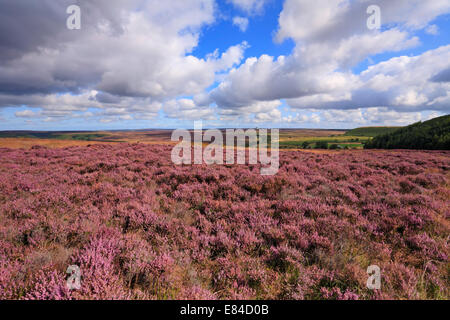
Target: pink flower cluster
{"x":140,"y":227}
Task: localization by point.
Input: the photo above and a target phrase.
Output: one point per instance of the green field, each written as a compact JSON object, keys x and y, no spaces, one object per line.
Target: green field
{"x":80,"y":136}
{"x":343,"y":141}
{"x":370,"y":131}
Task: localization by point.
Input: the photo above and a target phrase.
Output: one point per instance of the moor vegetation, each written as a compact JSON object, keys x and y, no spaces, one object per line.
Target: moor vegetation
{"x":141,"y":228}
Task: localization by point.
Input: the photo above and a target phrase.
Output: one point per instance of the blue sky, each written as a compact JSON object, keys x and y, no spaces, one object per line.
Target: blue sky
{"x":262,"y":26}
{"x":169,"y":78}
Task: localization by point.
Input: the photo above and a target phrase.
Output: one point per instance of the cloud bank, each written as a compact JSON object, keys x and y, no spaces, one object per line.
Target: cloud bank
{"x":134,"y":60}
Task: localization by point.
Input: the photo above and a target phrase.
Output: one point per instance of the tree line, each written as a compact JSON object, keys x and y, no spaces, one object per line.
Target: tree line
{"x":433,"y":134}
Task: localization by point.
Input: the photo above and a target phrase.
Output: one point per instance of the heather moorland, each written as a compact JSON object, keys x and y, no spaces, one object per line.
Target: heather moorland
{"x":140,"y":227}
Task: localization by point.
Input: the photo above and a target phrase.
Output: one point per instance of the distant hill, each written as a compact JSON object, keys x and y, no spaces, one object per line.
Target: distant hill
{"x":433,"y":134}
{"x":370,"y":131}
{"x":60,"y":135}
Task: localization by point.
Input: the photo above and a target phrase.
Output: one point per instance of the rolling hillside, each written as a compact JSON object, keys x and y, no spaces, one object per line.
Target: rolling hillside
{"x":370,"y":131}
{"x":429,"y":135}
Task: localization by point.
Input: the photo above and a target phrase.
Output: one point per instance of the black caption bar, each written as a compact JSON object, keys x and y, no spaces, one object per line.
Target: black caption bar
{"x":221,"y":309}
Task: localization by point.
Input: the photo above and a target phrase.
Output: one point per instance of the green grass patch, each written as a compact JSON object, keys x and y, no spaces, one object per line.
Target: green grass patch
{"x":81,"y":136}
{"x":314,"y":142}
{"x":370,"y":131}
